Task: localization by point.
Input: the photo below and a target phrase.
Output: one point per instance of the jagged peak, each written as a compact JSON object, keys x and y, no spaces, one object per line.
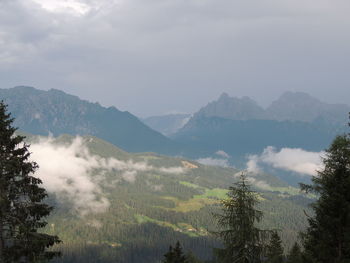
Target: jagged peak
{"x":223,"y":96}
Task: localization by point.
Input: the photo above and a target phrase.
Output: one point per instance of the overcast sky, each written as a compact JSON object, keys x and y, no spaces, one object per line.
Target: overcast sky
{"x":158,"y":56}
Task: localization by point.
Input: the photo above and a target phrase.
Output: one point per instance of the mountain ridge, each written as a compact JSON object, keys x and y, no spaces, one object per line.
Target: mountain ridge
{"x":54,"y":111}
{"x":292,"y":106}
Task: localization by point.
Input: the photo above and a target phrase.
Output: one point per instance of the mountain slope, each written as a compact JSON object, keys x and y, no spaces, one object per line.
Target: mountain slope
{"x":55,"y":112}
{"x":113,"y":206}
{"x":241,"y":137}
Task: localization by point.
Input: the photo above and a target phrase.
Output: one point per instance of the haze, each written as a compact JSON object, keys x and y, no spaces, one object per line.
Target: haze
{"x":152,"y":57}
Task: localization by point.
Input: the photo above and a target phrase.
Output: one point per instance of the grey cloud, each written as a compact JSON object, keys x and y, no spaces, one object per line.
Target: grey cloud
{"x":168,"y":52}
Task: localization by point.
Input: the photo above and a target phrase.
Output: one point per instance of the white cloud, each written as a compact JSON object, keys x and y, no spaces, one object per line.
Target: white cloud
{"x":172,"y":170}
{"x":66,"y":171}
{"x":222,"y":154}
{"x":259,"y":183}
{"x":252,"y":164}
{"x":65,"y":6}
{"x":289,"y":159}
{"x":72,"y":173}
{"x":213,"y":162}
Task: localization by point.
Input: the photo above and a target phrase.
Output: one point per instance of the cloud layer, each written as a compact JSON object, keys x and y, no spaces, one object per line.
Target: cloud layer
{"x":289,"y":159}
{"x":75,"y":175}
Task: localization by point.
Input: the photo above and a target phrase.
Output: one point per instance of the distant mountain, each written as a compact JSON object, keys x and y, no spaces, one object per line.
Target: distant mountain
{"x":232,"y":108}
{"x":167,"y":124}
{"x":238,"y":138}
{"x":239,"y":126}
{"x":299,"y":106}
{"x":43,"y":112}
{"x":290,"y":106}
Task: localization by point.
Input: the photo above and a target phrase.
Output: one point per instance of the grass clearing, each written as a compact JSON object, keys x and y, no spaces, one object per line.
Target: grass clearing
{"x":180,"y":227}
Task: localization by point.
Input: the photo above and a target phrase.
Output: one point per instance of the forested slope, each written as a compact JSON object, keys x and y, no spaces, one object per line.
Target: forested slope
{"x":141,"y":203}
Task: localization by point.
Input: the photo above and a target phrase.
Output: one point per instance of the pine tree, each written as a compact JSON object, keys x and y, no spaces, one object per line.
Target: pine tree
{"x":327,"y":239}
{"x":169,"y":256}
{"x":175,"y":255}
{"x":274,"y":249}
{"x":295,"y":255}
{"x":21,"y":207}
{"x":242,"y":240}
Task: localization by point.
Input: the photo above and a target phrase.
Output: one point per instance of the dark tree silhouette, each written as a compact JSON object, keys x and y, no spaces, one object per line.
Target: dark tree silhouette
{"x":327,"y":237}
{"x":175,"y":255}
{"x":274,"y":249}
{"x":242,"y":239}
{"x":21,"y":200}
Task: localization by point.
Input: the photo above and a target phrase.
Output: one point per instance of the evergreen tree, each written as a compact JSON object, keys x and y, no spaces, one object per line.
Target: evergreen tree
{"x":295,"y":255}
{"x":327,"y":239}
{"x":274,"y":251}
{"x":169,"y":256}
{"x":175,"y":255}
{"x":21,"y":207}
{"x":242,"y":240}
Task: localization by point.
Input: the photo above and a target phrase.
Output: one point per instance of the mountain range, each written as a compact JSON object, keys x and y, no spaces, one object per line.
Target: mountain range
{"x":55,"y":112}
{"x":238,"y":126}
{"x":290,"y":106}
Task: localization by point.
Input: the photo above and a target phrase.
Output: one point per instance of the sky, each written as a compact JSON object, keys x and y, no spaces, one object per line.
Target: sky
{"x":153,"y":57}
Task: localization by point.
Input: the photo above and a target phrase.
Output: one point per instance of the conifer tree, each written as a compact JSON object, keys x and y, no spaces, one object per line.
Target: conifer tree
{"x":242,"y":239}
{"x":175,"y":255}
{"x":295,"y":255}
{"x":21,"y":207}
{"x":327,"y":239}
{"x":169,"y":256}
{"x":274,"y":251}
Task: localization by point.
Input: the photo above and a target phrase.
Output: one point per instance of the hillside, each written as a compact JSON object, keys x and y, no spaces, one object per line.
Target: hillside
{"x":113,"y":206}
{"x":55,"y":112}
